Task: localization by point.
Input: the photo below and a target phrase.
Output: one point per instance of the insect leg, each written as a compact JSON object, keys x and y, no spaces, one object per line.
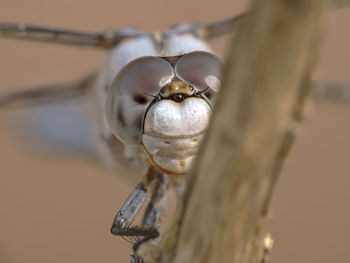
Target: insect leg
{"x":104,"y":39}
{"x":155,"y":208}
{"x":48,"y":93}
{"x":122,"y":222}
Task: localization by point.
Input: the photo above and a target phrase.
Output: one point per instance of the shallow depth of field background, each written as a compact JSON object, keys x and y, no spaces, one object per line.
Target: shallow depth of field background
{"x":58,"y":208}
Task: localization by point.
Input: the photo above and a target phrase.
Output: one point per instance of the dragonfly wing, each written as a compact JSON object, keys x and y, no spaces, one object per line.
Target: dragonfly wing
{"x":47,"y":93}
{"x":62,"y":126}
{"x":340,"y":3}
{"x":336,"y":91}
{"x":219,"y":28}
{"x":56,"y":117}
{"x":56,"y":35}
{"x":67,"y":127}
{"x":104,"y":39}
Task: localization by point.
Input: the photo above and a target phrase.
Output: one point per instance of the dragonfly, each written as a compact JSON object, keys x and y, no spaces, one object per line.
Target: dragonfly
{"x":152,"y":101}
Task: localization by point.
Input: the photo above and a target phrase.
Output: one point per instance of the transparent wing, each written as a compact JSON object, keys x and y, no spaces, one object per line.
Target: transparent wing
{"x":61,"y":122}
{"x":226,"y":26}
{"x":46,"y":94}
{"x":209,"y":30}
{"x":104,"y":39}
{"x":64,"y":126}
{"x":340,"y":3}
{"x":336,"y":91}
{"x":219,"y":28}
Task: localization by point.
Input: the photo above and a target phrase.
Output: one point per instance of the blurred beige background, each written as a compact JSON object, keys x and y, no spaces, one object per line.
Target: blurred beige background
{"x":59,"y":208}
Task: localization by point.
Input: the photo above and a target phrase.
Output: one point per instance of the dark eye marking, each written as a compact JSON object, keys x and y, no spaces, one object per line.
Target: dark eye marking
{"x":120,"y":116}
{"x":138,"y":122}
{"x":140,"y":99}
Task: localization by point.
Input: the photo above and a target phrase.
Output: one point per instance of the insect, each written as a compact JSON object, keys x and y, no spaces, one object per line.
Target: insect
{"x":153,"y":98}
{"x":153,"y":101}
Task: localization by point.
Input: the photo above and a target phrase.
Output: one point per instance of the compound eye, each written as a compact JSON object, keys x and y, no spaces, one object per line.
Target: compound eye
{"x":144,"y":76}
{"x":201,"y":69}
{"x":131,"y":92}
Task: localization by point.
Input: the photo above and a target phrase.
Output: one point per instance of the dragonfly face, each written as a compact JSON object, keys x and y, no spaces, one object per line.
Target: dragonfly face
{"x":164,"y":105}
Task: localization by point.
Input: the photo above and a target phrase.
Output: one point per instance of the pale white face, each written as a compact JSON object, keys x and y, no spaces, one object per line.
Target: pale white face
{"x":172,"y":132}
{"x":164,"y":105}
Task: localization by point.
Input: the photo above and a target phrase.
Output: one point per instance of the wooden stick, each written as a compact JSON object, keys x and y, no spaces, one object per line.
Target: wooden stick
{"x":223,"y":216}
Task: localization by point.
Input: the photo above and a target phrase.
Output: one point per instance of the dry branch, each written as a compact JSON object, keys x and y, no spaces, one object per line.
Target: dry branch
{"x":223,"y":216}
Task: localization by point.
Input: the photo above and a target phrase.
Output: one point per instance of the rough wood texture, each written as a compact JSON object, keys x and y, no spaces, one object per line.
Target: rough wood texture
{"x":223,"y":216}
